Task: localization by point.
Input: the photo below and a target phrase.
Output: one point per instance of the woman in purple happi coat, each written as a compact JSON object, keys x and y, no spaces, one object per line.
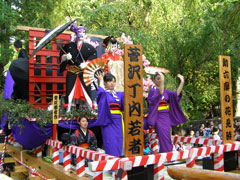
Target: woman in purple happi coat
{"x":110,"y":107}
{"x":164,"y":110}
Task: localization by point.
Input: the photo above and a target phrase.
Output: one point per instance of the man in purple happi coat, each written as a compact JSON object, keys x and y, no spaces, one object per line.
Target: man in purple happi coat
{"x":164,"y":110}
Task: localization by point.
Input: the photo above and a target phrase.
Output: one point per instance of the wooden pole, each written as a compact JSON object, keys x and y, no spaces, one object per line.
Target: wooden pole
{"x":48,"y":170}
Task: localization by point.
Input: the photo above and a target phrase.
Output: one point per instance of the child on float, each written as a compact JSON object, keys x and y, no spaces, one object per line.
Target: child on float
{"x":83,"y":137}
{"x":164,"y":110}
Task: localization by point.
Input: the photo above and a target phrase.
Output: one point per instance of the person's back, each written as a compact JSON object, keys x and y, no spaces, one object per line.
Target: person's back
{"x":21,"y":52}
{"x":215,"y":135}
{"x":19,"y":72}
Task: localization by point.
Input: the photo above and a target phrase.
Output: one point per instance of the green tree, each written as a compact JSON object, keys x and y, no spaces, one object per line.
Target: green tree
{"x":183,"y":36}
{"x":8,"y":22}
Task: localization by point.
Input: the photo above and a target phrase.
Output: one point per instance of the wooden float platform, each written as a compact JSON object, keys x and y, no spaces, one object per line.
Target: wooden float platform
{"x":48,"y":170}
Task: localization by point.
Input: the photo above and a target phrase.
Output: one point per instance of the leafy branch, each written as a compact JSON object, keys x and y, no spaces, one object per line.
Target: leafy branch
{"x":18,"y":110}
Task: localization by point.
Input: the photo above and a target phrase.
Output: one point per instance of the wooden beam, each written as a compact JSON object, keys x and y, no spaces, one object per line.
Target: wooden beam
{"x":27,"y":28}
{"x":20,"y":168}
{"x":19,"y":175}
{"x":1,"y":146}
{"x":8,"y":160}
{"x":34,"y":178}
{"x":48,"y":170}
{"x":199,"y":174}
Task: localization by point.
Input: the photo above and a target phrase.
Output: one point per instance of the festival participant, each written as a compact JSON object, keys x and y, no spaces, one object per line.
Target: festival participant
{"x":19,"y":73}
{"x":164,"y":110}
{"x":21,"y":52}
{"x":74,"y":56}
{"x":84,"y":137}
{"x":110,"y":106}
{"x":115,"y":62}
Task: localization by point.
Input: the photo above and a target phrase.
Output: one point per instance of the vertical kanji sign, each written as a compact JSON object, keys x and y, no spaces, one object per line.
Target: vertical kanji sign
{"x":55,"y":104}
{"x":226,"y":99}
{"x":133,"y":100}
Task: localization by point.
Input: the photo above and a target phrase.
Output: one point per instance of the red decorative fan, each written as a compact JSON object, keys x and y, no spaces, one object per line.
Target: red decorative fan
{"x":153,"y":70}
{"x":91,"y":68}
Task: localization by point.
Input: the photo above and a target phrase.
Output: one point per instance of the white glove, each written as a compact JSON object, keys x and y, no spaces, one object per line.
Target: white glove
{"x":83,"y":65}
{"x":67,"y":56}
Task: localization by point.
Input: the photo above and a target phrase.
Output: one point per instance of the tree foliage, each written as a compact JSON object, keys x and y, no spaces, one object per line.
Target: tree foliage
{"x":183,"y":36}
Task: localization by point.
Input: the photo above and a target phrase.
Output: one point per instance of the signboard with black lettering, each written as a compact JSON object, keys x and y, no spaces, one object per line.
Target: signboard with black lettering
{"x":55,"y":104}
{"x":226,"y":99}
{"x":133,"y":100}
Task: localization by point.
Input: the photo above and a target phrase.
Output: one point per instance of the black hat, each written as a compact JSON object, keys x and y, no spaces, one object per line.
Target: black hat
{"x":106,"y":41}
{"x":18,"y":44}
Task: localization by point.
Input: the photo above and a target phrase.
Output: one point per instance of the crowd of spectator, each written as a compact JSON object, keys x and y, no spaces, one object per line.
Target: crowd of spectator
{"x":209,"y":129}
{"x":212,"y":130}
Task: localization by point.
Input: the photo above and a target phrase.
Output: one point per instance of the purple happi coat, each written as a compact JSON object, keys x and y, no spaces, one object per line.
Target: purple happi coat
{"x":111,"y":124}
{"x":163,"y":120}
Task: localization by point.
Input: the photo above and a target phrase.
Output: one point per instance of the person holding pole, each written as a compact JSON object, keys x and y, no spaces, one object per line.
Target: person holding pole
{"x":74,"y":58}
{"x":164,"y":110}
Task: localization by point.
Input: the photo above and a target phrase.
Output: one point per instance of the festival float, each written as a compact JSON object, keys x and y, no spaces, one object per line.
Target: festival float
{"x":33,"y":140}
